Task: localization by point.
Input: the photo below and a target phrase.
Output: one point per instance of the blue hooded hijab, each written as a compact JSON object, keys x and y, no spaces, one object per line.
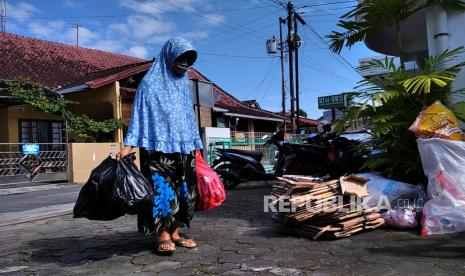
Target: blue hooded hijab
{"x":163,"y":117}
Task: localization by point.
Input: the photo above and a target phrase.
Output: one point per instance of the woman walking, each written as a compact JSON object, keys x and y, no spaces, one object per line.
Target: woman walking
{"x":164,"y":124}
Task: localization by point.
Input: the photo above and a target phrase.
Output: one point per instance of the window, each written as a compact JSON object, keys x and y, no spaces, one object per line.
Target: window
{"x":41,"y":131}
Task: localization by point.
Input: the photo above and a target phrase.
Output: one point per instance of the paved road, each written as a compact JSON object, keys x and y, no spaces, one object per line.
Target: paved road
{"x":38,"y":199}
{"x":237,"y":238}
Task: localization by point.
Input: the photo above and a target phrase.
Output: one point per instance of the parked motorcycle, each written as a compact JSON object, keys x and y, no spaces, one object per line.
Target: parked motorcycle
{"x":235,"y":166}
{"x":322,"y":155}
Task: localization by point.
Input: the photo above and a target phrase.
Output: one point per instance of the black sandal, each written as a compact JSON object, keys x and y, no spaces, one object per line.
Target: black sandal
{"x":161,"y":250}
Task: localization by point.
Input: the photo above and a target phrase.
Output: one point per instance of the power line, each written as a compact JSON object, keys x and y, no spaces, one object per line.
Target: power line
{"x":114,"y":16}
{"x":200,"y":52}
{"x":240,"y":36}
{"x":269,"y":85}
{"x":333,"y":76}
{"x":267,"y":73}
{"x":199,"y":12}
{"x":326,"y":10}
{"x":236,"y":28}
{"x":332,"y":3}
{"x":327,"y":44}
{"x":231,"y":56}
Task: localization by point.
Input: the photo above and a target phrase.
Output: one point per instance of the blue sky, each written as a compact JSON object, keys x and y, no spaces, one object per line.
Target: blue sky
{"x":230,"y":36}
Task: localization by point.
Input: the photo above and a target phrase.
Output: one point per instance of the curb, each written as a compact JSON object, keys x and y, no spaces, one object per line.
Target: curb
{"x":28,"y":189}
{"x":13,"y":218}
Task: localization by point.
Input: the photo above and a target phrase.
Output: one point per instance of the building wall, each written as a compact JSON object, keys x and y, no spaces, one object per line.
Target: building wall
{"x":205,"y":116}
{"x":99,"y":104}
{"x":84,"y":157}
{"x":15,"y":113}
{"x":457,"y":39}
{"x":451,"y":22}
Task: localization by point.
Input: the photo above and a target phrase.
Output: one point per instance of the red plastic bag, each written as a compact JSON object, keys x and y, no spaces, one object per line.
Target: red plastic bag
{"x":210,"y":189}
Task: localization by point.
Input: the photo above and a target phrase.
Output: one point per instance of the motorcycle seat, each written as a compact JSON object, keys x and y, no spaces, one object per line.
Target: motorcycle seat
{"x":255,"y":154}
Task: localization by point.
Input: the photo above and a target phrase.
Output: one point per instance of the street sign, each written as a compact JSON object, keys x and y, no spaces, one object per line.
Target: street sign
{"x":333,"y":101}
{"x":32,"y":149}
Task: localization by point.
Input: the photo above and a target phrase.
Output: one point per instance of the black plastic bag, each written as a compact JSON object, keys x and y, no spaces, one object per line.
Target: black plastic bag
{"x":95,"y":201}
{"x":132,"y":191}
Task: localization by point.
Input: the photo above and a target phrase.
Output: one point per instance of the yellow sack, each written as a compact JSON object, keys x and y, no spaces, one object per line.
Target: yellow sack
{"x":437,"y":121}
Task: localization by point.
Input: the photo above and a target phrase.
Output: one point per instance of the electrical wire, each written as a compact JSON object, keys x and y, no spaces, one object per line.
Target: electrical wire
{"x":267,"y":72}
{"x":327,"y":44}
{"x":200,"y":52}
{"x":240,"y":36}
{"x":271,"y":82}
{"x":332,"y":3}
{"x":231,"y":56}
{"x":236,"y":28}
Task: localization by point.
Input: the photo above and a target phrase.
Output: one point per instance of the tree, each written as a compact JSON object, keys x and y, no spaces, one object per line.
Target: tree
{"x":302,"y":113}
{"x":389,"y":105}
{"x":80,"y":126}
{"x":371,"y":15}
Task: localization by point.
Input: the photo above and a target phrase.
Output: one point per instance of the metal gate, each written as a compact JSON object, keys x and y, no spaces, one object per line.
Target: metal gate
{"x":243,"y":143}
{"x":47,"y":162}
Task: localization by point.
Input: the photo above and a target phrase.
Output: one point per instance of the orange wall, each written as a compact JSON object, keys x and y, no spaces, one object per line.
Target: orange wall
{"x":15,"y":113}
{"x":84,"y":157}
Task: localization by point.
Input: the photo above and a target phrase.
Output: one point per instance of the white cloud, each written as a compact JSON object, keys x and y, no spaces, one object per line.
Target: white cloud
{"x":86,"y":36}
{"x":159,"y":7}
{"x":70,"y":3}
{"x":194,"y":36}
{"x":20,"y":10}
{"x":144,"y":28}
{"x":108,"y":45}
{"x":138,"y":51}
{"x":48,"y":29}
{"x":214,"y":19}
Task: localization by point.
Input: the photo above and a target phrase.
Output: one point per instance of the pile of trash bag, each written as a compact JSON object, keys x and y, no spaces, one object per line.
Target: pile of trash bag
{"x":444,"y":165}
{"x":441,"y":145}
{"x":114,"y":188}
{"x":393,"y":194}
{"x":402,"y":202}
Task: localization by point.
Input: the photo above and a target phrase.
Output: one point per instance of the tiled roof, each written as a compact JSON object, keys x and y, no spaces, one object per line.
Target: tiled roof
{"x":56,"y":65}
{"x":307,"y":121}
{"x":252,"y":103}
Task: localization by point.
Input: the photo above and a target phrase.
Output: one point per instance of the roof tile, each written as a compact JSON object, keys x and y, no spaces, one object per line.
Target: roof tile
{"x":51,"y":64}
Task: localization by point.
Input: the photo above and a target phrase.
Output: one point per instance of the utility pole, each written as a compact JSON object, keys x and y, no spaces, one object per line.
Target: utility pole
{"x":77,"y":26}
{"x":297,"y":42}
{"x":2,"y":16}
{"x":283,"y":86}
{"x":296,"y":75}
{"x":290,"y":13}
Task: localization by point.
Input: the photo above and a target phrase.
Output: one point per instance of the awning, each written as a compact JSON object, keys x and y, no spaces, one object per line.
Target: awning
{"x":252,"y":117}
{"x":219,"y":109}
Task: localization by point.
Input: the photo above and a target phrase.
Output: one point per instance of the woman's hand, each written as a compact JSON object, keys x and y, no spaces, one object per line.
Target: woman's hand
{"x":123,"y":152}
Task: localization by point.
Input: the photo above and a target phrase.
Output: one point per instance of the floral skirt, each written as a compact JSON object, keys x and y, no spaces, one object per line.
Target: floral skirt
{"x":175,"y":187}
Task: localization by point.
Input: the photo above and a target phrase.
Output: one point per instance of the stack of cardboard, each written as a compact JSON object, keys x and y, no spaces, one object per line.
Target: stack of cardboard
{"x":323,"y":208}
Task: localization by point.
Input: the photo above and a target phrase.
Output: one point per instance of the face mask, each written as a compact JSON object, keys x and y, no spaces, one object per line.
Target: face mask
{"x":180,"y":69}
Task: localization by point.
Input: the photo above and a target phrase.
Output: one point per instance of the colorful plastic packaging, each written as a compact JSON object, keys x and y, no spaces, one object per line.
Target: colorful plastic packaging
{"x":437,"y":121}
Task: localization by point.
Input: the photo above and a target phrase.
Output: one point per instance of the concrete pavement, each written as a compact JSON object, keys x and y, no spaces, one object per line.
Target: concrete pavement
{"x":235,"y":239}
{"x":22,"y":204}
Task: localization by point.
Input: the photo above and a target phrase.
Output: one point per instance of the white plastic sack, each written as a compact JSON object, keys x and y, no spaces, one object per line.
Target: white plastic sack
{"x":398,"y":194}
{"x":444,"y":165}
